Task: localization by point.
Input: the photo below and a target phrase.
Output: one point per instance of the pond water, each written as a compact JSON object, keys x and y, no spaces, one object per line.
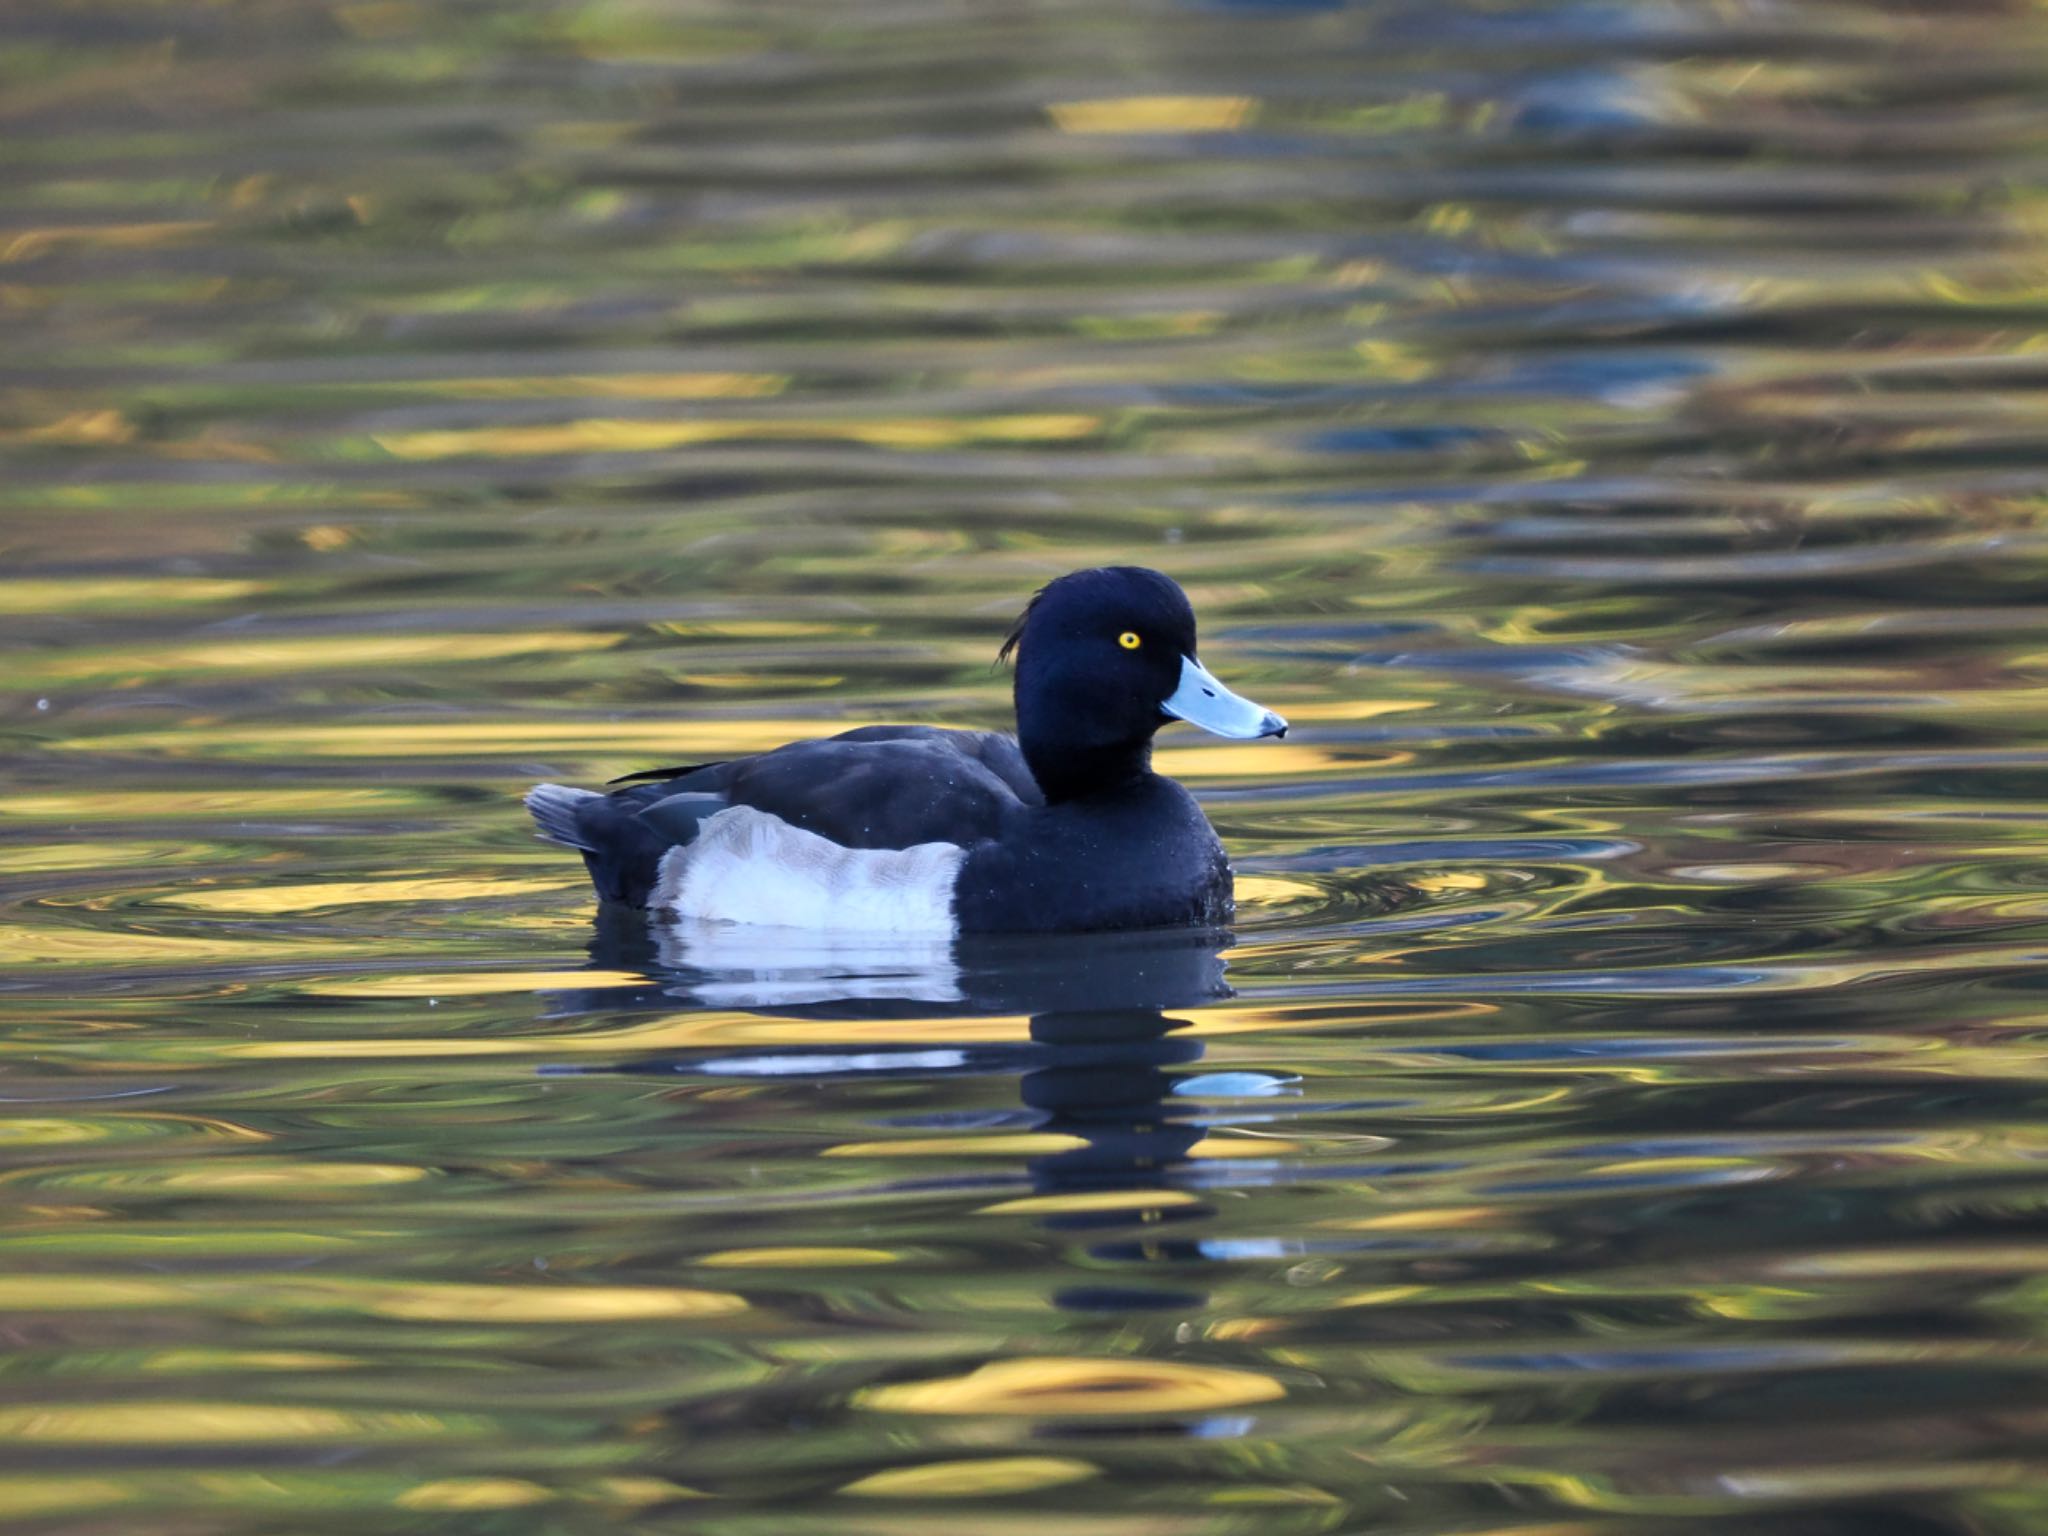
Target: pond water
{"x":1613,"y":432}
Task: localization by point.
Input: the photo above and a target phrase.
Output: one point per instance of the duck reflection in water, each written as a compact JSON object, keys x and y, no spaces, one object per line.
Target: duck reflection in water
{"x":1097,"y":1071}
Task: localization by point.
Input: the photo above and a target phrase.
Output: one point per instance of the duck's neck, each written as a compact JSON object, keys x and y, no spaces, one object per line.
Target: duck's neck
{"x":1068,"y":772}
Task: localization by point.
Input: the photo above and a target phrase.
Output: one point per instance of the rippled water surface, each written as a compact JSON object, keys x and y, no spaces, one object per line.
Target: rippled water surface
{"x":1613,"y":432}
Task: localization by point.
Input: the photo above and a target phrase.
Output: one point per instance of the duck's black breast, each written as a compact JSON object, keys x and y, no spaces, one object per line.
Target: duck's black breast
{"x":1140,"y":856}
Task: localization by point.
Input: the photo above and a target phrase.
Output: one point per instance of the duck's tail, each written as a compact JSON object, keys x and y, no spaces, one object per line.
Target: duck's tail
{"x":622,"y":836}
{"x":554,"y":808}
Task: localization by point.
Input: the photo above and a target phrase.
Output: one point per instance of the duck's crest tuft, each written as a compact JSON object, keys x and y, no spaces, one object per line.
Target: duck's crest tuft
{"x":1017,"y":629}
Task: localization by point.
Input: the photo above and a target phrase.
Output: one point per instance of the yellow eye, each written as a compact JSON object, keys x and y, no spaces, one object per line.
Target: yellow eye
{"x":1129,"y":640}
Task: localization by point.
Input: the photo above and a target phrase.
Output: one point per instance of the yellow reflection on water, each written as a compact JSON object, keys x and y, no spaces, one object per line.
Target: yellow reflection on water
{"x":350,"y":893}
{"x":472,"y":983}
{"x":60,"y":946}
{"x":302,"y":653}
{"x":1147,"y":327}
{"x":24,"y":1498}
{"x":1284,"y":1496}
{"x":1427,"y":1219}
{"x":747,"y":682}
{"x":189,"y":1423}
{"x":114,"y":804}
{"x":214,"y":1487}
{"x":1021,"y":1144}
{"x":639,"y":1490}
{"x":628,"y":435}
{"x":57,"y":595}
{"x":610,"y":738}
{"x":413,"y":1300}
{"x":679,"y":1032}
{"x":1264,"y":760}
{"x":1072,"y":1385}
{"x":184,"y":1362}
{"x":1914,"y":1261}
{"x":1153,"y":114}
{"x":51,"y":858}
{"x":460,"y":1493}
{"x":455,"y":1303}
{"x":1211,"y":1022}
{"x":90,"y":1293}
{"x":797,"y":1258}
{"x":683,"y":1030}
{"x":1086,"y":1200}
{"x":627,"y":386}
{"x":27,"y":244}
{"x":1272,"y":890}
{"x":252,"y":1175}
{"x":1448,"y":880}
{"x":1380,"y":1296}
{"x":1214,"y":1147}
{"x":80,"y":429}
{"x":753,"y":629}
{"x":47,"y":1131}
{"x":988,"y":1477}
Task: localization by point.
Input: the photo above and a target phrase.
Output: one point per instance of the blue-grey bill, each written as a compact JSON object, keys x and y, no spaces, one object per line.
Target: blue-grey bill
{"x":1201,"y":700}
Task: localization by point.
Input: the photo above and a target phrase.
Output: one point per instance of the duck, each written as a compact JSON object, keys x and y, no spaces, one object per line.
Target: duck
{"x":919,"y":831}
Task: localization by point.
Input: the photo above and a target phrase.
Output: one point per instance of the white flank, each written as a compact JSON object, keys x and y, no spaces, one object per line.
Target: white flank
{"x":745,"y":866}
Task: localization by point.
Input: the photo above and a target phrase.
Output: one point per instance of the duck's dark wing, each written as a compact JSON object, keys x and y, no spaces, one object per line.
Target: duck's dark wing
{"x":995,"y":751}
{"x":654,"y":775}
{"x":876,"y":787}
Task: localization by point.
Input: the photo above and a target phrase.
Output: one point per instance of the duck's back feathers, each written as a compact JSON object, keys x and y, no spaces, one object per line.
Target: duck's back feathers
{"x":884,"y":790}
